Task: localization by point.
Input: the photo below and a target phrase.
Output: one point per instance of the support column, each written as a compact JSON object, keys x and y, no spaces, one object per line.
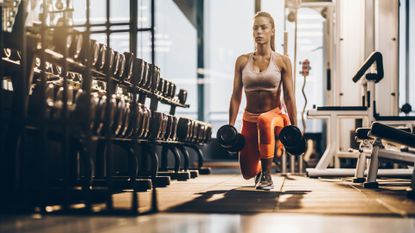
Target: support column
{"x":200,"y":60}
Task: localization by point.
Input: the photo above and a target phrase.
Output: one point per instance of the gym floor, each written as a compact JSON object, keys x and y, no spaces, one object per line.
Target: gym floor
{"x":227,"y":203}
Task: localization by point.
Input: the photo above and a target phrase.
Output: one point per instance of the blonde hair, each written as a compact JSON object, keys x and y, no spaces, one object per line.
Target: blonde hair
{"x":271,"y":20}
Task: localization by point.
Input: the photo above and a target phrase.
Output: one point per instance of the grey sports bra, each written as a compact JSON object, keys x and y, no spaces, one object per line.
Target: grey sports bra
{"x":266,"y":80}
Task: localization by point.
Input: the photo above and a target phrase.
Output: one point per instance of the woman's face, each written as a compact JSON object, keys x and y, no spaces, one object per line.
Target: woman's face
{"x":262,"y":30}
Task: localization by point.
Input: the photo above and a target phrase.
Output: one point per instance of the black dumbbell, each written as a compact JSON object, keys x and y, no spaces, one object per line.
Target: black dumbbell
{"x":163,"y":132}
{"x":98,"y":120}
{"x":293,"y":140}
{"x":142,"y":72}
{"x":102,"y":57}
{"x":93,"y":55}
{"x":121,"y":67}
{"x":155,"y":77}
{"x":149,"y":75}
{"x":147,"y":119}
{"x":42,"y":93}
{"x":229,"y":138}
{"x":115,"y":65}
{"x":174,"y":129}
{"x":160,"y":86}
{"x":59,"y":102}
{"x":109,"y":61}
{"x":126,"y":119}
{"x":129,"y":66}
{"x":82,"y":106}
{"x":76,"y":46}
{"x":172,"y":90}
{"x":132,"y":124}
{"x":156,"y":125}
{"x":137,"y":76}
{"x":146,"y":75}
{"x":208,"y":134}
{"x":183,"y":129}
{"x":182,"y":96}
{"x":119,"y":114}
{"x":138,"y":121}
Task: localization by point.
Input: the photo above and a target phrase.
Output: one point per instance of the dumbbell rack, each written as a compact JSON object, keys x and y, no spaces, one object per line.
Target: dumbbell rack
{"x":93,"y":189}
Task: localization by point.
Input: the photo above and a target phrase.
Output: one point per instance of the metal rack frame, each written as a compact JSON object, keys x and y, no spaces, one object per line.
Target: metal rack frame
{"x":18,"y":129}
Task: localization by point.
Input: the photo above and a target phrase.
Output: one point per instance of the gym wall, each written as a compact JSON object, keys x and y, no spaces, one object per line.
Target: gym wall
{"x":349,"y":46}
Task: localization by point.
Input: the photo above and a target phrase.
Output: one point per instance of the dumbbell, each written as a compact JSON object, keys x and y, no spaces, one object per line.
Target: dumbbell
{"x":42,"y":93}
{"x":138,"y":130}
{"x":82,"y":106}
{"x":142,"y":72}
{"x":168,"y":127}
{"x":156,"y":125}
{"x":155,"y":76}
{"x":182,"y":96}
{"x":126,"y":119}
{"x":129,"y":66}
{"x":145,"y":122}
{"x":196,"y":132}
{"x":102,"y":57}
{"x":146,"y":76}
{"x":59,"y":102}
{"x":293,"y":140}
{"x":183,"y":129}
{"x":98,"y":120}
{"x":137,"y":69}
{"x":121,"y":67}
{"x":166,"y":88}
{"x":191,"y":131}
{"x":148,"y":115}
{"x":101,"y":113}
{"x":150,"y":78}
{"x":62,"y":40}
{"x":195,"y":135}
{"x":109,"y":61}
{"x":115,"y":65}
{"x":145,"y":130}
{"x":208,"y":134}
{"x":174,"y":128}
{"x":229,"y":138}
{"x":160,"y":86}
{"x":76,"y":46}
{"x":163,"y":132}
{"x":119,"y":115}
{"x":202,"y":131}
{"x":172,"y":90}
{"x":93,"y":54}
{"x":133,"y":116}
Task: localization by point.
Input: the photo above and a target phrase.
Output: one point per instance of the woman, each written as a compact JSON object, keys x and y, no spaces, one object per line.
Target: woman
{"x":262,"y":74}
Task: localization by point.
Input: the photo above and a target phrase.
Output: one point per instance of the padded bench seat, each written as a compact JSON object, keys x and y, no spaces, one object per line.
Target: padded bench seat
{"x":394,"y":118}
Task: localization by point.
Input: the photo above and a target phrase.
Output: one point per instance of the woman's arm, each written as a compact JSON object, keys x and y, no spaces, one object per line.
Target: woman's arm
{"x":288,"y":88}
{"x":237,"y":91}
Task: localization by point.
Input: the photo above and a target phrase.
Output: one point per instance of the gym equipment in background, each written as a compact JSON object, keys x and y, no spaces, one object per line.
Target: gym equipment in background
{"x":366,"y":112}
{"x":381,"y":133}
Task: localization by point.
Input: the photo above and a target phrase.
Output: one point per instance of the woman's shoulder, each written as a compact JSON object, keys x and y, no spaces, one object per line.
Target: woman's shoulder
{"x":281,"y":59}
{"x":242,"y":59}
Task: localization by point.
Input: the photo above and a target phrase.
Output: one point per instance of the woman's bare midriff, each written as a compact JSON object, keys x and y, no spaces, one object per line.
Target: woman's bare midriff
{"x":262,"y":101}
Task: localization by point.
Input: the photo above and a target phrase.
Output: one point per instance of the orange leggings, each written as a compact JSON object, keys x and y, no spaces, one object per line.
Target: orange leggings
{"x":259,"y":131}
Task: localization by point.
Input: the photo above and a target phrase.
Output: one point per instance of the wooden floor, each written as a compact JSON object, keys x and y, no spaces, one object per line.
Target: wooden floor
{"x":230,"y":193}
{"x":225,"y":203}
